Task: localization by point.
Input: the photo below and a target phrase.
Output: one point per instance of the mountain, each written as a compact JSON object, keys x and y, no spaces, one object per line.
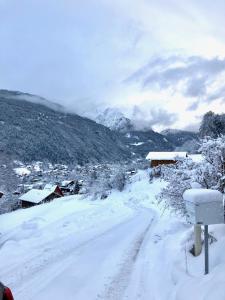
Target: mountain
{"x":115,"y":120}
{"x":212,"y":125}
{"x":141,"y":142}
{"x":39,"y":130}
{"x":16,"y":95}
{"x":182,"y":140}
{"x":179,"y":137}
{"x":33,"y":128}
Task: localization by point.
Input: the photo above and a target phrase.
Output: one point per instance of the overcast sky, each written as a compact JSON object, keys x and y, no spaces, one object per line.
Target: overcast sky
{"x":162,"y":62}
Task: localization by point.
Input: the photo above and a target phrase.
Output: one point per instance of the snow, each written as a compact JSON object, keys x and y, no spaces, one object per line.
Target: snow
{"x":66,"y":182}
{"x":21,"y":171}
{"x":36,"y":196}
{"x":50,"y":187}
{"x":198,"y":196}
{"x":127,"y":247}
{"x":137,"y":144}
{"x":195,"y":185}
{"x":114,"y":119}
{"x":166,"y":155}
{"x":197,"y":158}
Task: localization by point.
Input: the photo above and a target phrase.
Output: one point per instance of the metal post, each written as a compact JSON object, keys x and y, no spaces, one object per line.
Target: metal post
{"x":206,"y":240}
{"x":197,"y":240}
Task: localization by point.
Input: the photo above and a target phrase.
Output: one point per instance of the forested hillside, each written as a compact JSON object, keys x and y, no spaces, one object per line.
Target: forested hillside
{"x":31,"y":132}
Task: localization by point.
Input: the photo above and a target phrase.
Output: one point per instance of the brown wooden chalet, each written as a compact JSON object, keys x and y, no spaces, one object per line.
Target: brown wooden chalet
{"x":164,"y":158}
{"x":36,"y":197}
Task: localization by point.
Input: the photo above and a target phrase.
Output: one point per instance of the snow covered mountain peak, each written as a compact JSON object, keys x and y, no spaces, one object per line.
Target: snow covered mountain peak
{"x":114,"y":119}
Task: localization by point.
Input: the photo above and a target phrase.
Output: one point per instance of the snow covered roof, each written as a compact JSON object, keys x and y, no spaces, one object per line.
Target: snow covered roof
{"x":67,"y":182}
{"x":36,"y":196}
{"x":50,"y":187}
{"x":166,"y":155}
{"x":202,"y":196}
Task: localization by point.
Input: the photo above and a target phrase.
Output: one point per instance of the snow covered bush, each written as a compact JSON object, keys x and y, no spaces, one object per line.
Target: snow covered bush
{"x":212,"y":171}
{"x":208,"y":173}
{"x":118,"y":180}
{"x":101,"y":179}
{"x":179,"y":177}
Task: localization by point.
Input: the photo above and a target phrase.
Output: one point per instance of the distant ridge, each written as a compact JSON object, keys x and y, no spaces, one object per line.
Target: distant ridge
{"x":32,"y":128}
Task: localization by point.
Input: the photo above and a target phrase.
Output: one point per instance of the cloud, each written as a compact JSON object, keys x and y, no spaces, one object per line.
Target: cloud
{"x":196,"y":87}
{"x":191,"y":76}
{"x":219,"y":93}
{"x":143,"y":119}
{"x":77,"y":53}
{"x":193,"y":106}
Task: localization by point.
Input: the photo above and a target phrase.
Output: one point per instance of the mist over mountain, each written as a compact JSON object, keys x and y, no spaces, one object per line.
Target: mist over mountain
{"x":32,"y":128}
{"x":142,"y":141}
{"x":17,"y":95}
{"x":31,"y":131}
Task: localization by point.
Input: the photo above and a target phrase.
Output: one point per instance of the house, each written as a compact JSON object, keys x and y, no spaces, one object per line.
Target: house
{"x":164,"y":158}
{"x":54,"y":188}
{"x":35,"y":197}
{"x":1,"y":194}
{"x":70,"y":186}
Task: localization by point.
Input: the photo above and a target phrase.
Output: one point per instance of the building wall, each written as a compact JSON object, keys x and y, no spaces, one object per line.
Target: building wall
{"x":27,"y":204}
{"x":51,"y":197}
{"x":156,"y":163}
{"x":59,"y":191}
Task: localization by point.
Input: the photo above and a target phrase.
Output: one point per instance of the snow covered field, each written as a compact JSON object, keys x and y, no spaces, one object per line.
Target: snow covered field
{"x":124,"y":247}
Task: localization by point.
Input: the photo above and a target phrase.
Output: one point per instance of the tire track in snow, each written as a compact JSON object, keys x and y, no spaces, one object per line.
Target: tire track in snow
{"x":57,"y":250}
{"x":117,"y":287}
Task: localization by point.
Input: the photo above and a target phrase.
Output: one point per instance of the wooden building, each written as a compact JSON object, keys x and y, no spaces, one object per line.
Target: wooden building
{"x":54,"y":188}
{"x":70,"y":187}
{"x":36,"y":197}
{"x":164,"y":158}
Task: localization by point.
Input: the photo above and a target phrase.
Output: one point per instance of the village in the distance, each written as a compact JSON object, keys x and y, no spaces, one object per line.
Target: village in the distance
{"x":39,"y":182}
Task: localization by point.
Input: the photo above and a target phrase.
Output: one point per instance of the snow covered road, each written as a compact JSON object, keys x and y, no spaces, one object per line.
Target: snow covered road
{"x":120,"y":248}
{"x":76,"y":248}
{"x":99,"y":268}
